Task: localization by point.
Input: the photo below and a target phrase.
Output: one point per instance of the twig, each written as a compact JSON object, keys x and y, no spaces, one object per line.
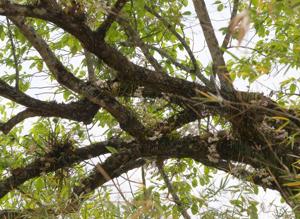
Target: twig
{"x":13,"y":50}
{"x":90,"y":65}
{"x":172,"y":191}
{"x":228,"y":34}
{"x":184,"y":44}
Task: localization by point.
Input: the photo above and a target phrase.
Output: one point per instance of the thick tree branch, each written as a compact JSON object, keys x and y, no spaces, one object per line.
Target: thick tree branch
{"x":198,"y":148}
{"x":251,"y":143}
{"x":57,"y":161}
{"x":49,"y":12}
{"x":103,"y":98}
{"x":82,"y":110}
{"x":127,"y":70}
{"x":53,"y":161}
{"x":113,"y":58}
{"x":72,"y":206}
{"x":213,"y":45}
{"x":105,"y":172}
{"x":28,"y":113}
{"x":176,"y":121}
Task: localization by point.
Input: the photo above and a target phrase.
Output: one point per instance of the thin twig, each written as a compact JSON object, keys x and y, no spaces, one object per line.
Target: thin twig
{"x":172,"y":191}
{"x":183,"y":43}
{"x":228,"y":34}
{"x":136,"y":39}
{"x":13,"y":50}
{"x":90,"y":65}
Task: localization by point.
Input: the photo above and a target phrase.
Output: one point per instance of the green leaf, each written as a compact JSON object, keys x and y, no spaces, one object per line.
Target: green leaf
{"x":293,"y":88}
{"x":187,"y":13}
{"x":40,"y":66}
{"x":220,"y":7}
{"x":194,"y":209}
{"x":185,"y":2}
{"x":111,"y":149}
{"x":39,"y":183}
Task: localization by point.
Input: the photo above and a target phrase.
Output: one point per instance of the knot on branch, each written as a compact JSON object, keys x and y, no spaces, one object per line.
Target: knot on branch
{"x":85,"y":111}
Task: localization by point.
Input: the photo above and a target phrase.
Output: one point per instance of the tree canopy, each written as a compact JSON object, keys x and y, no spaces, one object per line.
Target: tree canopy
{"x":189,"y":94}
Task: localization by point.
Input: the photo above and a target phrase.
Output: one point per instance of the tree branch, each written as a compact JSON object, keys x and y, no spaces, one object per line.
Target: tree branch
{"x":82,"y":110}
{"x":195,"y":147}
{"x":13,"y":50}
{"x":112,"y":57}
{"x":49,"y":12}
{"x":53,"y":161}
{"x":171,"y":189}
{"x":135,"y":38}
{"x":176,"y":121}
{"x":103,"y":98}
{"x":213,"y":46}
{"x":12,"y":122}
{"x":228,"y":34}
{"x":127,"y":71}
{"x":112,"y":16}
{"x":90,"y":65}
{"x":184,"y":44}
{"x":128,"y":157}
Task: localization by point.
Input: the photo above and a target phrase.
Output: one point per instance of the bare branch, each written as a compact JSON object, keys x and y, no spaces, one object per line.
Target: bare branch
{"x":82,"y":110}
{"x":135,"y":38}
{"x":184,"y":44}
{"x":228,"y":34}
{"x":90,"y":65}
{"x":163,"y":53}
{"x":171,"y":189}
{"x":125,"y":117}
{"x":13,"y":50}
{"x":112,"y":16}
{"x":7,"y":126}
{"x":213,"y":46}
